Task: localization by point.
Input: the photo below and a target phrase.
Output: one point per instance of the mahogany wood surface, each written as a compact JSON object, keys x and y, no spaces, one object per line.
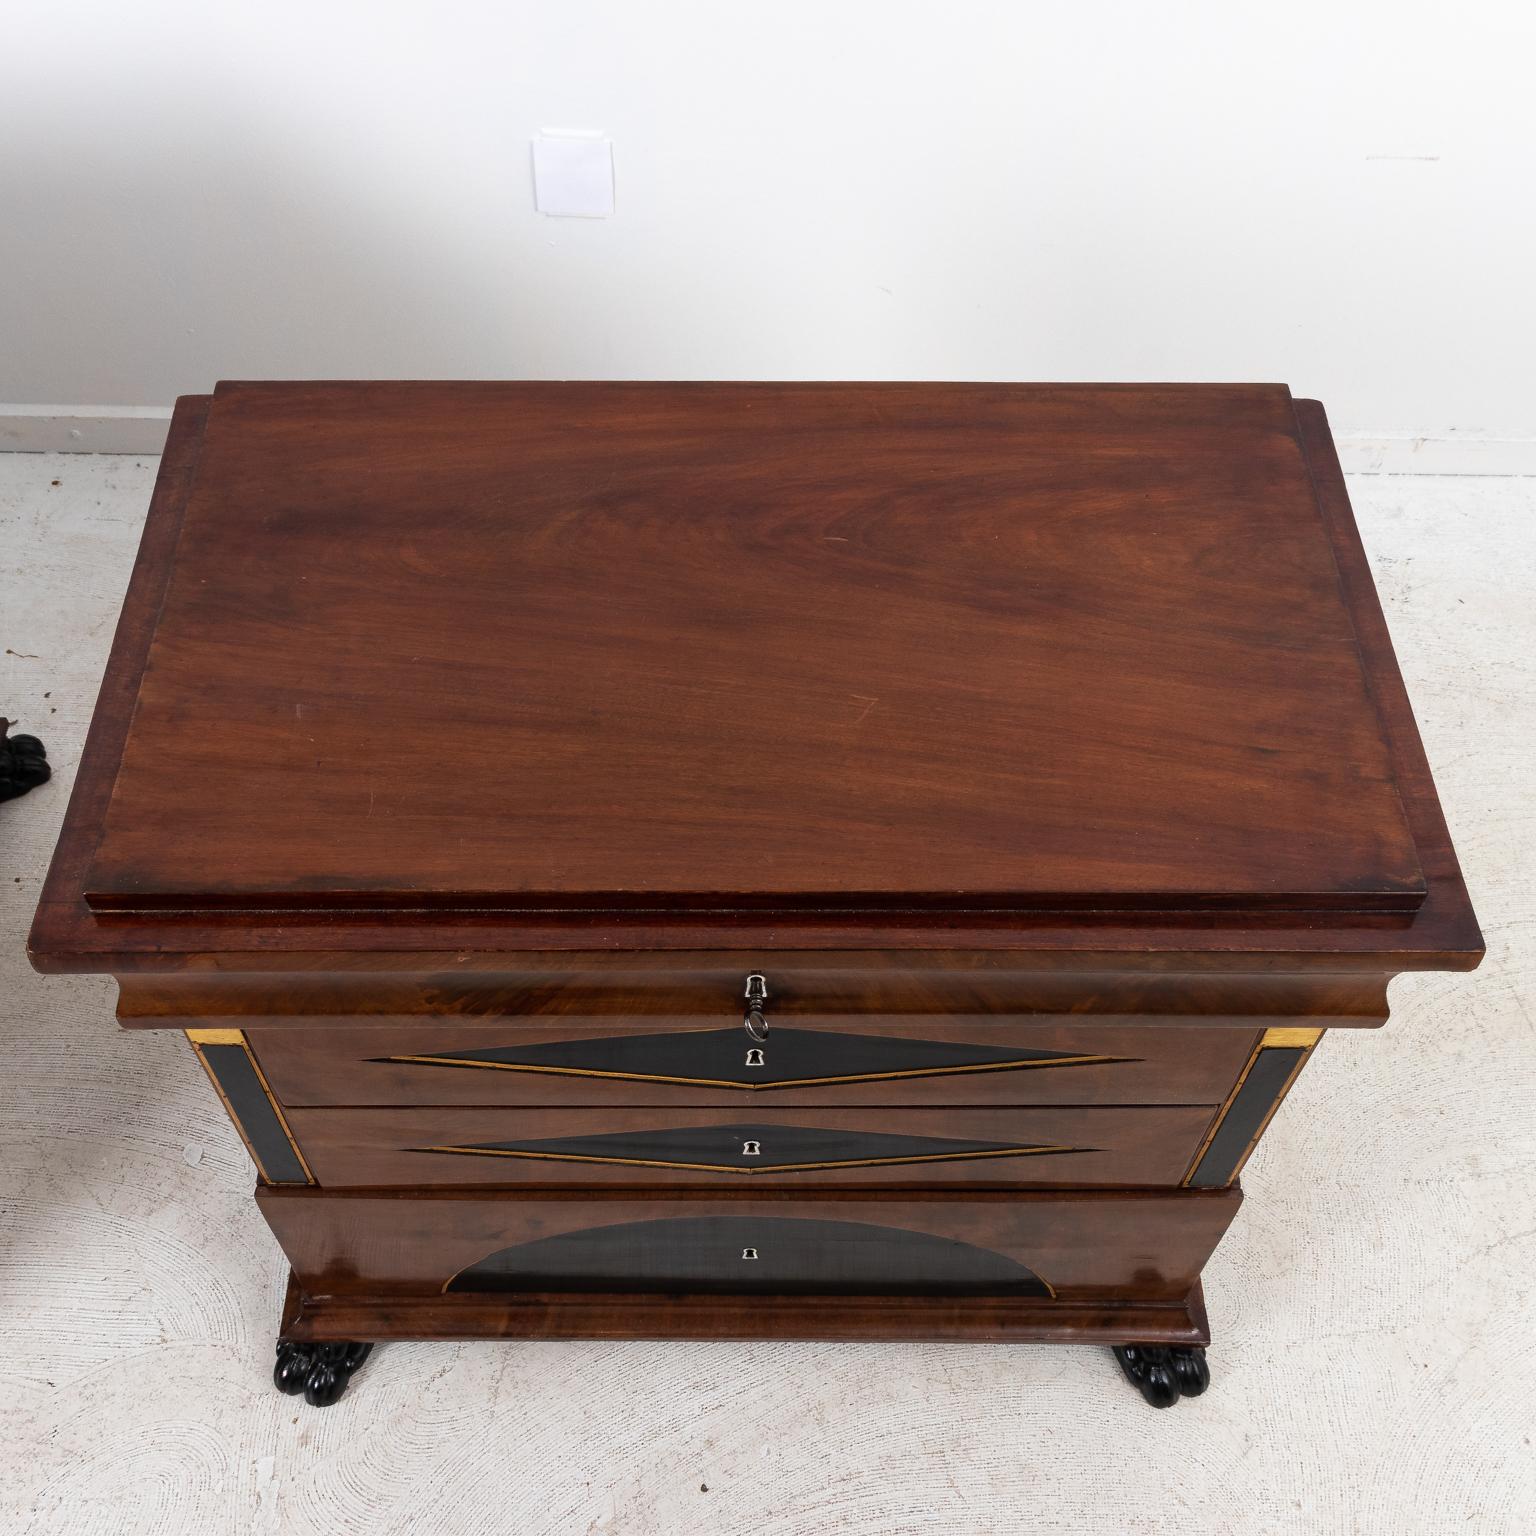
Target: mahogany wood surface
{"x":352,"y":1065}
{"x":784,"y":647}
{"x":968,"y":1319}
{"x":807,"y":989}
{"x":1085,"y":1244}
{"x":567,"y":1145}
{"x":68,"y":936}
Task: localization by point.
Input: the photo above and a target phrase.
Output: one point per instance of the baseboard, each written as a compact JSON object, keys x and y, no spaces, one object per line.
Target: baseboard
{"x":141,"y":429}
{"x":137,"y":429}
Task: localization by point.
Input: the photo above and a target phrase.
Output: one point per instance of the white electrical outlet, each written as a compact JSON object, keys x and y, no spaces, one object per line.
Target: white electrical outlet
{"x":573,"y":175}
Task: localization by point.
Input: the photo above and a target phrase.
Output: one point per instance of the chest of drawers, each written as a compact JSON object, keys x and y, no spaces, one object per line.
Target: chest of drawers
{"x":816,"y":861}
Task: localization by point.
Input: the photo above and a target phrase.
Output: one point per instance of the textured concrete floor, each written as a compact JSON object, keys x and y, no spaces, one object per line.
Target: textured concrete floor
{"x":1372,"y":1306}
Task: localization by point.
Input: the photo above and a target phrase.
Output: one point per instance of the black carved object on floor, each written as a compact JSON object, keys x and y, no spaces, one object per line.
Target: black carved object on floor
{"x":1163,"y":1375}
{"x":23,"y":763}
{"x":320,"y":1371}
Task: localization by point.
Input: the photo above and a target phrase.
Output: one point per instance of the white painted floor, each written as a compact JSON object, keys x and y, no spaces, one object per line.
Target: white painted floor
{"x":1372,"y":1307}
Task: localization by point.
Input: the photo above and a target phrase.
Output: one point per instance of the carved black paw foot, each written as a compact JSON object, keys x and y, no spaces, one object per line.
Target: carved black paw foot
{"x":320,"y":1371}
{"x":1161,"y":1375}
{"x":23,"y":763}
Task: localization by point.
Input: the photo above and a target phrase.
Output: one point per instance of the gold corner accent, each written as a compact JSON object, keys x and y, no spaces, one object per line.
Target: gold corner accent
{"x":216,"y":1036}
{"x":1292,"y":1038}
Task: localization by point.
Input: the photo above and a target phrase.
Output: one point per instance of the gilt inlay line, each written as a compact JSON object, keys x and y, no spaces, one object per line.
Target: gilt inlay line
{"x":713,"y":1059}
{"x":752,"y":1149}
{"x":247,"y":1096}
{"x":1276,"y":1060}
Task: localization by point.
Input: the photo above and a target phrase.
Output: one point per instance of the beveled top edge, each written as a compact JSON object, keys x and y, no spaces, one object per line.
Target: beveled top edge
{"x":67,"y":936}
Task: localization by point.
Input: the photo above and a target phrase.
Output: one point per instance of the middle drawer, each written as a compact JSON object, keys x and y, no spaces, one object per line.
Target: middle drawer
{"x":778,"y":1146}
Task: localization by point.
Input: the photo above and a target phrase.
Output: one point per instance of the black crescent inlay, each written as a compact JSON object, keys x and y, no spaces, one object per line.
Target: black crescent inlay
{"x":708,"y":1253}
{"x":749,"y":1149}
{"x":718,"y":1057}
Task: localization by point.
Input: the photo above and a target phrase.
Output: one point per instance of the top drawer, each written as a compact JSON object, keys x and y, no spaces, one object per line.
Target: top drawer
{"x":862,"y":1060}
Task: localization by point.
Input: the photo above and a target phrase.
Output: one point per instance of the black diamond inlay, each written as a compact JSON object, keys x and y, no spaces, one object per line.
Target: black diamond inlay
{"x":719,"y":1057}
{"x":749,"y":1149}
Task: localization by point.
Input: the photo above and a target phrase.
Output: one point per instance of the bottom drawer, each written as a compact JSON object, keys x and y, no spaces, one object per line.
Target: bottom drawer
{"x":1104,"y":1245}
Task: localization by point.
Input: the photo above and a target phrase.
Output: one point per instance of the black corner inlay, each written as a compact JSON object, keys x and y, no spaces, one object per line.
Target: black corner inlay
{"x":781,"y":1255}
{"x":748,"y":1149}
{"x":725,"y":1058}
{"x":1261,"y":1090}
{"x":236,"y":1076}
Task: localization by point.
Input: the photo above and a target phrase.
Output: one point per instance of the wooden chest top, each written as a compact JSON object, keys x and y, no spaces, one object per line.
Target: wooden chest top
{"x":650,"y":653}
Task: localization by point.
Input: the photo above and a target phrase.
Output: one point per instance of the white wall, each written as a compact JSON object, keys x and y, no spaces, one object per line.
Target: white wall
{"x":1335,"y":193}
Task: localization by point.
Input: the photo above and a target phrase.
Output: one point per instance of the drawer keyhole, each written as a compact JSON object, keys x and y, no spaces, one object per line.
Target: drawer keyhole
{"x":755,"y":1057}
{"x":749,"y":1253}
{"x":751,"y":1149}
